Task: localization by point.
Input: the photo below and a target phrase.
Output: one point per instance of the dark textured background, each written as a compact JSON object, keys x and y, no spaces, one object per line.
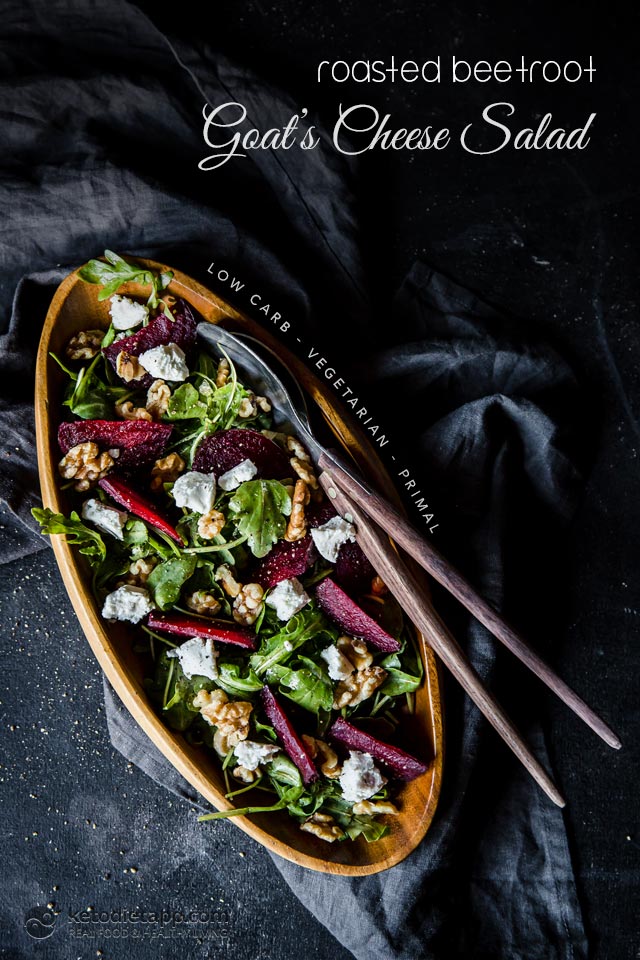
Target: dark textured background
{"x":552,"y":239}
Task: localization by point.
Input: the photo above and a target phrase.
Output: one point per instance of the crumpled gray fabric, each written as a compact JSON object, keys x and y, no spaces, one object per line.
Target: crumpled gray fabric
{"x":483,"y":411}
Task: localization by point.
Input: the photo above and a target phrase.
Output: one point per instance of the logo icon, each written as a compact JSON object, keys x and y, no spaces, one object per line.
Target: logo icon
{"x":40,"y":923}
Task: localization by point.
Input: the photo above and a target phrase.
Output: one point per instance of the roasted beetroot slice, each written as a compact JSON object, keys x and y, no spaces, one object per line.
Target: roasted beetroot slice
{"x":317,"y":514}
{"x":139,"y":506}
{"x":398,"y":761}
{"x":352,"y":618}
{"x":182,"y":626}
{"x":224,"y":450}
{"x":292,"y":743}
{"x":353,"y":571}
{"x":161,"y":330}
{"x":284,"y":561}
{"x":138,"y":441}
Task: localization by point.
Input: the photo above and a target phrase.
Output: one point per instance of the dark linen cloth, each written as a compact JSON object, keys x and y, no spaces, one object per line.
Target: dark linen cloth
{"x":483,"y":411}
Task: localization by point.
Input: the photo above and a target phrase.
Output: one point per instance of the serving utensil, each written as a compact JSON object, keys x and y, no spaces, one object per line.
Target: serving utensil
{"x":349,"y":490}
{"x":74,"y":307}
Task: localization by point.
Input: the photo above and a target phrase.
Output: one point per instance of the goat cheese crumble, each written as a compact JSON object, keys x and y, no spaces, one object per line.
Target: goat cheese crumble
{"x":166,"y":362}
{"x":127,"y":603}
{"x":338,"y":666}
{"x":195,"y":491}
{"x":330,"y":537}
{"x":250,"y":754}
{"x":360,"y":779}
{"x":237,"y":475}
{"x":197,"y":657}
{"x":127,"y":314}
{"x":288,"y":598}
{"x":105,"y":518}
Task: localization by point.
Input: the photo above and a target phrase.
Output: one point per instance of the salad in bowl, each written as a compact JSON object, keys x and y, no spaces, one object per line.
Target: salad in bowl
{"x":267,"y":638}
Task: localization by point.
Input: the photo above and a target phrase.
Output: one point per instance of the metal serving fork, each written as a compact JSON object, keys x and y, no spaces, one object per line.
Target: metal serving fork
{"x":372,"y":514}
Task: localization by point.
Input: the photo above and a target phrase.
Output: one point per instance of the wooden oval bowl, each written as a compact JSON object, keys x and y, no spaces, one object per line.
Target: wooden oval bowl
{"x":75,"y":306}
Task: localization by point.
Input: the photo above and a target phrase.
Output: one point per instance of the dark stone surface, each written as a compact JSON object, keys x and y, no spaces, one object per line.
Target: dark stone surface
{"x":549,"y":237}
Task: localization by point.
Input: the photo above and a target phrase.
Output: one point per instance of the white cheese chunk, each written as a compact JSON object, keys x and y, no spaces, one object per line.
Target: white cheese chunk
{"x":288,"y":598}
{"x":127,"y":603}
{"x":105,"y":518}
{"x":166,"y":362}
{"x":339,"y":667}
{"x":127,"y":314}
{"x":331,"y":535}
{"x":360,"y":778}
{"x":237,"y":475}
{"x":250,"y":754}
{"x":195,"y":491}
{"x":197,"y":657}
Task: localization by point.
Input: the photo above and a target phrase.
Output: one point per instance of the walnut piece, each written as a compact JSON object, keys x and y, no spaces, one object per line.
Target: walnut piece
{"x":223,"y":372}
{"x":158,"y":397}
{"x":305,"y":471}
{"x":296,"y":449}
{"x":247,"y":408}
{"x":248,"y":605}
{"x":127,"y":411}
{"x":244,"y":774}
{"x":358,"y":687}
{"x":322,"y":825}
{"x":203,"y":602}
{"x":140,"y":569}
{"x":210,"y":524}
{"x":85,"y":464}
{"x":369,"y":809}
{"x":85,"y":345}
{"x":230,"y":717}
{"x":229,"y":583}
{"x":355,"y":651}
{"x":328,"y":758}
{"x":166,"y":470}
{"x":264,"y":404}
{"x":297,"y":526}
{"x":129,"y":367}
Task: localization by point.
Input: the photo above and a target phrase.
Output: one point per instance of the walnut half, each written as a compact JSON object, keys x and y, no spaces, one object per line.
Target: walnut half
{"x":322,"y":825}
{"x":231,"y":718}
{"x":85,"y":345}
{"x":248,"y":605}
{"x":329,"y":764}
{"x":358,"y":687}
{"x":85,"y":464}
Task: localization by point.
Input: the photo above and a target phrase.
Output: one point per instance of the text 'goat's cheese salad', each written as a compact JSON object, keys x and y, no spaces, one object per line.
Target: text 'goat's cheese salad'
{"x":268,"y":636}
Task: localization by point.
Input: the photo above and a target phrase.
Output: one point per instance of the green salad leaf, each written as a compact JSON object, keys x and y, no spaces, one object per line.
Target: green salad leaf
{"x":167,"y":579}
{"x":309,"y":686}
{"x":116,"y":271}
{"x":260,"y":508}
{"x":237,"y":681}
{"x":309,"y":623}
{"x":399,"y":681}
{"x":89,"y":542}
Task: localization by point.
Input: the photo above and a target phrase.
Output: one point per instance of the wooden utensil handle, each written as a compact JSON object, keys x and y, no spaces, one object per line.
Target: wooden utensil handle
{"x":409,"y":594}
{"x":441,"y":570}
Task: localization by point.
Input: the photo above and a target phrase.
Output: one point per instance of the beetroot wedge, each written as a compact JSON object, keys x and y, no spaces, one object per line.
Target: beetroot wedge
{"x":139,"y":506}
{"x":353,"y":571}
{"x":224,"y":450}
{"x":138,"y":441}
{"x":161,"y":330}
{"x":284,"y":561}
{"x":183,"y":626}
{"x":291,"y":742}
{"x":351,"y":618}
{"x":398,"y":761}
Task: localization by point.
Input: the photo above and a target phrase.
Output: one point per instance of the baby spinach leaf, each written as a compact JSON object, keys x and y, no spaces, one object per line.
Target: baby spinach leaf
{"x":186,"y":404}
{"x":89,"y":542}
{"x":260,"y":508}
{"x":166,"y":580}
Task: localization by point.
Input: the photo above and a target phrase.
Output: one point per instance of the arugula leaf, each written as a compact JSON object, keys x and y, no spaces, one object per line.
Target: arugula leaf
{"x":167,"y":579}
{"x":289,"y":796}
{"x":303,"y":626}
{"x":186,"y":404}
{"x":135,"y":533}
{"x":116,"y":271}
{"x":309,"y":687}
{"x":231,"y":679}
{"x":260,"y":508}
{"x":89,"y":542}
{"x":92,"y":398}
